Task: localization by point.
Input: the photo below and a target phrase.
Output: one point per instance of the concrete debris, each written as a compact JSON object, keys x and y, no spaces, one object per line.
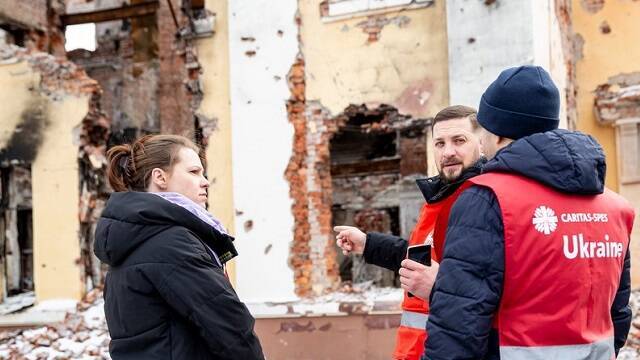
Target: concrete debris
{"x":363,"y":298}
{"x":82,"y":335}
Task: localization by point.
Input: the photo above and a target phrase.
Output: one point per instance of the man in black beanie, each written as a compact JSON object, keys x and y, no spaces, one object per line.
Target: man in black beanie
{"x":536,"y":258}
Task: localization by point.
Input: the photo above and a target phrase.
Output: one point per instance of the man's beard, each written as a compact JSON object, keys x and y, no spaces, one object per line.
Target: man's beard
{"x":455,"y":175}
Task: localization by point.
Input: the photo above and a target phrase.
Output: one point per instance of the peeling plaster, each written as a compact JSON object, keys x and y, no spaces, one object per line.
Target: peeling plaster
{"x":578,"y":47}
{"x":415,"y":98}
{"x":374,"y":24}
{"x":592,"y":6}
{"x":625,"y":79}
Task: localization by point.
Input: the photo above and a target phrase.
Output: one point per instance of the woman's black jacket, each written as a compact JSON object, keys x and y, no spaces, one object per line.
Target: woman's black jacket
{"x":166,"y":297}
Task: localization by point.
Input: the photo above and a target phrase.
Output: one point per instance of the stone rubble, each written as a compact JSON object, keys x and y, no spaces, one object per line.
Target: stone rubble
{"x":84,"y":335}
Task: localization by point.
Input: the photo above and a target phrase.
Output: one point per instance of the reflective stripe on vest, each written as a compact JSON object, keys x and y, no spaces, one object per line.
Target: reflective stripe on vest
{"x":414,"y":320}
{"x":412,"y":332}
{"x":599,"y":350}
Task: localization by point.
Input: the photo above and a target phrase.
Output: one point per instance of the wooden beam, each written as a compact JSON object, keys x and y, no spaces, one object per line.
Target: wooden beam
{"x":197,"y":4}
{"x":124,"y":12}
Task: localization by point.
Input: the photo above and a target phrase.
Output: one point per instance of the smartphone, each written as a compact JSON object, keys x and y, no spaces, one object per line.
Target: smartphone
{"x":421,"y":254}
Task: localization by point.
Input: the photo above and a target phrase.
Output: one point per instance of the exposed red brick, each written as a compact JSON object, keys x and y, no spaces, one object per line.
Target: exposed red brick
{"x":174,"y":98}
{"x":299,"y":259}
{"x":374,"y":24}
{"x":413,"y":155}
{"x":28,"y":13}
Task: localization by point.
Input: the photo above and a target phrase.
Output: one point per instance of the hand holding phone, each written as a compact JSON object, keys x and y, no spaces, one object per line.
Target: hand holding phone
{"x":421,"y":254}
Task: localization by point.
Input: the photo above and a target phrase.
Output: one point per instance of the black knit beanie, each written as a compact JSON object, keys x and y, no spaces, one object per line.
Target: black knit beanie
{"x":520,"y":102}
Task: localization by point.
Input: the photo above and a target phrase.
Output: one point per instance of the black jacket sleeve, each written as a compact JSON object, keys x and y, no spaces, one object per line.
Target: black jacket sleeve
{"x":620,"y":310}
{"x":468,"y":287}
{"x":199,"y":292}
{"x":384,"y":250}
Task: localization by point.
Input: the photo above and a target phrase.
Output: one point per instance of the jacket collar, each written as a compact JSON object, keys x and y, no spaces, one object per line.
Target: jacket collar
{"x":435,"y":189}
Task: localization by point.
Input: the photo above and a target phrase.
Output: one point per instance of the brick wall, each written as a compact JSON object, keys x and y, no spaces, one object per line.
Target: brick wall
{"x":29,"y":13}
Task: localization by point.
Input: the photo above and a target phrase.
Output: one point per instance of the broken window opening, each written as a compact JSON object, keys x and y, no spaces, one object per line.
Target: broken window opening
{"x":334,"y":10}
{"x":16,"y":237}
{"x":81,"y":36}
{"x":617,"y":103}
{"x":25,"y":241}
{"x":375,"y":156}
{"x":629,"y":139}
{"x":13,"y":35}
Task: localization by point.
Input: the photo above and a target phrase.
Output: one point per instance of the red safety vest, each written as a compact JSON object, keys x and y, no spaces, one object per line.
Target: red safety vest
{"x":564,"y":256}
{"x":412,"y":332}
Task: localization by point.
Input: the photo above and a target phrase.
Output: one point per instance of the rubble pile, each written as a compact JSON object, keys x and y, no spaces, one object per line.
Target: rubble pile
{"x":82,"y":335}
{"x":631,"y":351}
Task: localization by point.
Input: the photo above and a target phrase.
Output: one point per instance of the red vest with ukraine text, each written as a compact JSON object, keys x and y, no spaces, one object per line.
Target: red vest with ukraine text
{"x":564,"y":256}
{"x":412,"y":331}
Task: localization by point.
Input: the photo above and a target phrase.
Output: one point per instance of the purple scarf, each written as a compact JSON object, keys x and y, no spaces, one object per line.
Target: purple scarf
{"x":197,"y":210}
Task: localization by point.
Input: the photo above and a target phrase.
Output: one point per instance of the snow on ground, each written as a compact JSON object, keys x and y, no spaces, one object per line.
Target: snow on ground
{"x":83,"y":334}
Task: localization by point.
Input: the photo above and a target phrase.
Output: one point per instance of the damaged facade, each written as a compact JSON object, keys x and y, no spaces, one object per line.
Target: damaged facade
{"x":44,"y":130}
{"x":310,"y":113}
{"x":123,"y":96}
{"x":607,"y":76}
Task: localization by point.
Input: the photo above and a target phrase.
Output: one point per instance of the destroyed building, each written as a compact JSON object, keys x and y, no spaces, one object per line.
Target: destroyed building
{"x":309,"y":113}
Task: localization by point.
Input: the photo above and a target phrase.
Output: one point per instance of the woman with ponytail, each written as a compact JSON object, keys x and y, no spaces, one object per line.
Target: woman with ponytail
{"x":166,"y":292}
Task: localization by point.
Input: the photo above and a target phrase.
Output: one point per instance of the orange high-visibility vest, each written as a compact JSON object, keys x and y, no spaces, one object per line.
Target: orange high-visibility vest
{"x":412,"y":332}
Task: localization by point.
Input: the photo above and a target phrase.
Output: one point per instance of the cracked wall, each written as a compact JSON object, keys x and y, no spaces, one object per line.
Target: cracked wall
{"x":606,"y":75}
{"x":375,"y":156}
{"x":261,"y":145}
{"x":149,"y":73}
{"x":601,"y":58}
{"x":34,"y":24}
{"x":406,"y":67}
{"x":617,"y":105}
{"x":361,"y":60}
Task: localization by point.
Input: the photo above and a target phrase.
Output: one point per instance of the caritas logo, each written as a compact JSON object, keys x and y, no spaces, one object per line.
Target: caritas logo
{"x":545,"y":220}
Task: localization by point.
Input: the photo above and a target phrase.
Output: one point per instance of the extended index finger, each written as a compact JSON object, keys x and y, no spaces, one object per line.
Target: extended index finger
{"x":341,"y":228}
